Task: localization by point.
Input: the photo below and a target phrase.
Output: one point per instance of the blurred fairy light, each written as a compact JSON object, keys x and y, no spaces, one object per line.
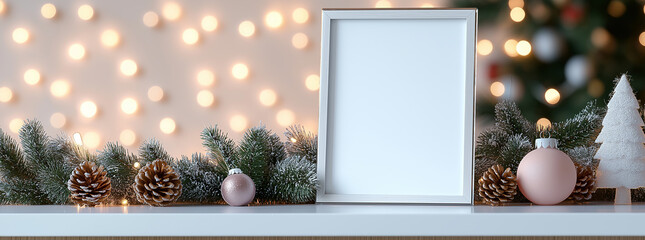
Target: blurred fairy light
{"x":171,"y":11}
{"x":59,"y":88}
{"x":312,"y":82}
{"x":268,"y":97}
{"x":205,"y":98}
{"x":205,"y":78}
{"x":246,"y":28}
{"x":137,"y":165}
{"x":552,"y":96}
{"x":523,"y":48}
{"x":129,"y":67}
{"x":616,"y":8}
{"x":517,"y":14}
{"x":110,"y":38}
{"x":58,"y":120}
{"x":167,"y":125}
{"x":596,"y":88}
{"x":273,"y":19}
{"x":124,"y":202}
{"x":515,"y":4}
{"x":497,"y":89}
{"x":383,"y":4}
{"x":285,"y":117}
{"x":127,"y":137}
{"x":32,"y":76}
{"x":48,"y":11}
{"x":77,"y":139}
{"x":238,"y":123}
{"x":293,"y":140}
{"x":129,"y":106}
{"x":484,"y":47}
{"x":240,"y":71}
{"x":20,"y":35}
{"x":76,"y":51}
{"x":150,"y":19}
{"x":5,"y":94}
{"x":299,"y":40}
{"x":543,"y":123}
{"x":2,"y":7}
{"x":641,"y":38}
{"x":15,"y":124}
{"x":190,"y":36}
{"x":88,"y":109}
{"x":510,"y":47}
{"x":300,"y":15}
{"x":427,"y":5}
{"x":600,"y":37}
{"x":155,"y":93}
{"x":91,"y":139}
{"x":209,"y":23}
{"x":85,"y":12}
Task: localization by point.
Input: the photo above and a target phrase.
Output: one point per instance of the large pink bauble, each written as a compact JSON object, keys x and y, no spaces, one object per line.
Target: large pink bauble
{"x":546,"y":176}
{"x":238,"y":189}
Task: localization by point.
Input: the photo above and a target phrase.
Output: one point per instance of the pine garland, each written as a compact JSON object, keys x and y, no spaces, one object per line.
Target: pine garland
{"x":294,"y":180}
{"x":120,"y":167}
{"x":301,"y":143}
{"x":38,"y":173}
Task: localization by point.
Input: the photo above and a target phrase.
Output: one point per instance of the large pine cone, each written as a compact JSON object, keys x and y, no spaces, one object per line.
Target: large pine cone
{"x":89,"y":184}
{"x":497,"y":185}
{"x":157,"y":184}
{"x":585,"y":185}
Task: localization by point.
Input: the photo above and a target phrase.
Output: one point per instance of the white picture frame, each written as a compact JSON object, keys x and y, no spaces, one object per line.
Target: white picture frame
{"x":397,"y":101}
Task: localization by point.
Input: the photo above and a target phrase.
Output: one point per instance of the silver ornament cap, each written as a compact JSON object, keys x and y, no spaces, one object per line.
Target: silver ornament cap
{"x":234,"y":171}
{"x":546,"y":143}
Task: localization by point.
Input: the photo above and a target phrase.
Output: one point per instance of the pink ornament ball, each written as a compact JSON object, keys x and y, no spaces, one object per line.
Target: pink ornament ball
{"x":546,"y":176}
{"x":238,"y":189}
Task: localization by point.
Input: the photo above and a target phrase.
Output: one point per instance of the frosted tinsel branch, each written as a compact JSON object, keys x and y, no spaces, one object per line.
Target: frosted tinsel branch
{"x":120,"y":167}
{"x":294,"y":180}
{"x":583,"y":156}
{"x":219,"y":146}
{"x":201,"y":179}
{"x":255,"y":157}
{"x":579,"y":130}
{"x":300,"y":142}
{"x":152,"y":150}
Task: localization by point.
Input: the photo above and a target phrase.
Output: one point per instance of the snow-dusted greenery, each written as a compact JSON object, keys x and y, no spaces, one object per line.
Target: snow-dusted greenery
{"x":38,"y":172}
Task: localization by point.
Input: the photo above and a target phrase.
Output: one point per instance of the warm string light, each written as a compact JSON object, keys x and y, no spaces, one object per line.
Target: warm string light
{"x":240,"y":71}
{"x":110,"y":38}
{"x":600,"y":37}
{"x":128,"y":67}
{"x":299,"y":40}
{"x":77,"y":139}
{"x":552,"y":96}
{"x":127,"y":137}
{"x":31,"y":76}
{"x":293,"y":140}
{"x":273,"y":19}
{"x":543,"y":123}
{"x":6,"y":94}
{"x":312,"y":82}
{"x":155,"y":93}
{"x":85,"y":12}
{"x":167,"y":125}
{"x":48,"y":11}
{"x":205,"y":98}
{"x":171,"y":11}
{"x":91,"y":140}
{"x":517,"y":14}
{"x":15,"y":124}
{"x":641,"y":38}
{"x":510,"y":48}
{"x":268,"y":97}
{"x":616,"y":8}
{"x":523,"y":48}
{"x":246,"y":29}
{"x":20,"y":35}
{"x":151,"y":19}
{"x":190,"y":36}
{"x":497,"y":89}
{"x":124,"y":202}
{"x":427,"y":5}
{"x":136,"y":165}
{"x":209,"y":23}
{"x":59,"y":88}
{"x":88,"y":109}
{"x":285,"y":117}
{"x":2,"y":7}
{"x":484,"y":47}
{"x":58,"y":120}
{"x":383,"y":4}
{"x":205,"y":78}
{"x":515,"y":4}
{"x":238,"y":123}
{"x":76,"y":51}
{"x":129,"y":106}
{"x":300,"y":15}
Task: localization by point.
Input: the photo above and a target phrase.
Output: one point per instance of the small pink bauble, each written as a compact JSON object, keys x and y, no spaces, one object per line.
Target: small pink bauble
{"x":546,"y":175}
{"x":238,"y":189}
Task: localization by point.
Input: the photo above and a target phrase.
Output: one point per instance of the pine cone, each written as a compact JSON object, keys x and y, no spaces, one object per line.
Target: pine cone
{"x":585,"y":185}
{"x":157,"y":184}
{"x":89,"y":184}
{"x":497,"y":185}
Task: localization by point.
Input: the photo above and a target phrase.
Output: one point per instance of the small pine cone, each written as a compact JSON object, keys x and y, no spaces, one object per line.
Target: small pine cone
{"x":89,"y":184}
{"x":585,"y":185}
{"x":497,"y":185}
{"x":157,"y":184}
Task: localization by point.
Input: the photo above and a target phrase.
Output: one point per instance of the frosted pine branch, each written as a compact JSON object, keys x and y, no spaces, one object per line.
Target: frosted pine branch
{"x":294,"y":180}
{"x":302,"y":143}
{"x":219,"y":146}
{"x":119,"y":165}
{"x":152,"y":150}
{"x":201,"y":179}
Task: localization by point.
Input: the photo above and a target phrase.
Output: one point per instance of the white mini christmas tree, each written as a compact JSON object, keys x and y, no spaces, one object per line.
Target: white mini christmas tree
{"x":622,"y":153}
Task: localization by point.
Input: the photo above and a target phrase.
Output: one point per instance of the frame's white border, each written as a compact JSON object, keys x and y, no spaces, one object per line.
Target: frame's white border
{"x":468,"y":15}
